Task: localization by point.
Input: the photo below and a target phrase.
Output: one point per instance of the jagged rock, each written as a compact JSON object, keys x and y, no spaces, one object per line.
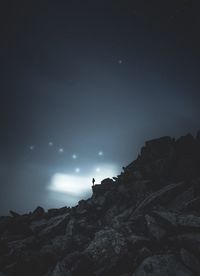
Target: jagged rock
{"x":179,"y":202}
{"x":188,"y":240}
{"x":154,"y":229}
{"x":107,"y":181}
{"x":82,"y":207}
{"x":14,"y":214}
{"x":164,"y":265}
{"x":55,"y":226}
{"x":136,"y":242}
{"x":38,"y":212}
{"x":57,"y":211}
{"x":70,"y":227}
{"x":38,"y":225}
{"x":60,"y":270}
{"x":143,"y":253}
{"x":183,"y":220}
{"x":146,"y":221}
{"x":107,"y":243}
{"x":16,"y":248}
{"x":119,"y":219}
{"x":33,"y":263}
{"x":168,"y":191}
{"x":190,"y":261}
{"x":74,"y":264}
{"x":193,"y":204}
{"x":58,"y":245}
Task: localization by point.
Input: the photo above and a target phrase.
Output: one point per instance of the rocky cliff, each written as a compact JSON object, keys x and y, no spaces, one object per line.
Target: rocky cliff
{"x":145,"y":221}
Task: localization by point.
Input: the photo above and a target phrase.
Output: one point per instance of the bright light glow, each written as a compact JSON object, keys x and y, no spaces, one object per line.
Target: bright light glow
{"x":98,"y":169}
{"x":78,"y":184}
{"x":32,"y":147}
{"x":100,"y":153}
{"x":77,"y":170}
{"x":61,"y":150}
{"x":74,"y":185}
{"x":50,"y":144}
{"x":74,"y":156}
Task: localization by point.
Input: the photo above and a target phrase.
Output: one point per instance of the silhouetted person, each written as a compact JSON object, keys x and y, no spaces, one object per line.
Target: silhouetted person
{"x":93,"y":180}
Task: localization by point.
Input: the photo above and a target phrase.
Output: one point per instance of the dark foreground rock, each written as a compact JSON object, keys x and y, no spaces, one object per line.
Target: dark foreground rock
{"x":144,"y":222}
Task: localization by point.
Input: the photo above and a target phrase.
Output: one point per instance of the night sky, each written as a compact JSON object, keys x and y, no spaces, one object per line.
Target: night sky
{"x":83,"y":85}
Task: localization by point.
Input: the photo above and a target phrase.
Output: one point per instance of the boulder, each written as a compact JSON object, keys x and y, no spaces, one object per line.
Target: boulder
{"x":157,"y":197}
{"x":38,"y":225}
{"x":55,"y":226}
{"x":180,"y":220}
{"x":164,"y":265}
{"x":155,"y":230}
{"x":57,"y":211}
{"x":137,"y":242}
{"x":16,"y":248}
{"x":107,"y":243}
{"x":188,"y":240}
{"x":179,"y":202}
{"x":38,"y":212}
{"x":60,"y":270}
{"x":190,"y":261}
{"x":192,"y":205}
{"x":73,"y":264}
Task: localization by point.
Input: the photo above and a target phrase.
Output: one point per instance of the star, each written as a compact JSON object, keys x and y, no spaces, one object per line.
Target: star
{"x":77,"y":170}
{"x":74,"y":156}
{"x":50,"y":144}
{"x":32,"y":147}
{"x":61,"y":150}
{"x":100,"y":153}
{"x":120,"y":61}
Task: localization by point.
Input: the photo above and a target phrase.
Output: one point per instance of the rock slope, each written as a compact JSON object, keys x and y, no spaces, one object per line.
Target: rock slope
{"x":145,"y":221}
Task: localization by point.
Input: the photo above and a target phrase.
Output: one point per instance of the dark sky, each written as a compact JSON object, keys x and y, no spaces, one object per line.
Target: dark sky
{"x":94,"y":79}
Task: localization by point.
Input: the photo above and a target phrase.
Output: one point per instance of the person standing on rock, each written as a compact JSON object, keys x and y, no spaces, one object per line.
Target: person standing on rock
{"x":93,"y":180}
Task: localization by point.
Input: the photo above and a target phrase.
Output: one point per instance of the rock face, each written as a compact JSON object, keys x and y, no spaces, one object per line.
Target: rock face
{"x":145,"y":221}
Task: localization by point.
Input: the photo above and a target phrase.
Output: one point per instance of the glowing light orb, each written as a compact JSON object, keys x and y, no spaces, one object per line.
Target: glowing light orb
{"x":50,"y":144}
{"x":100,"y":153}
{"x":98,"y":170}
{"x":74,"y":156}
{"x":61,"y":150}
{"x":32,"y":147}
{"x":77,"y":170}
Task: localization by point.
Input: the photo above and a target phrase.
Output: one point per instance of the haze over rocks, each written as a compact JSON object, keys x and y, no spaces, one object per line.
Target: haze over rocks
{"x":145,"y":221}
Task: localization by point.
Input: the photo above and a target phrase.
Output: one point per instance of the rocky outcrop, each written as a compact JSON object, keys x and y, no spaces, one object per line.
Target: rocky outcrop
{"x":145,"y":221}
{"x":164,"y":265}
